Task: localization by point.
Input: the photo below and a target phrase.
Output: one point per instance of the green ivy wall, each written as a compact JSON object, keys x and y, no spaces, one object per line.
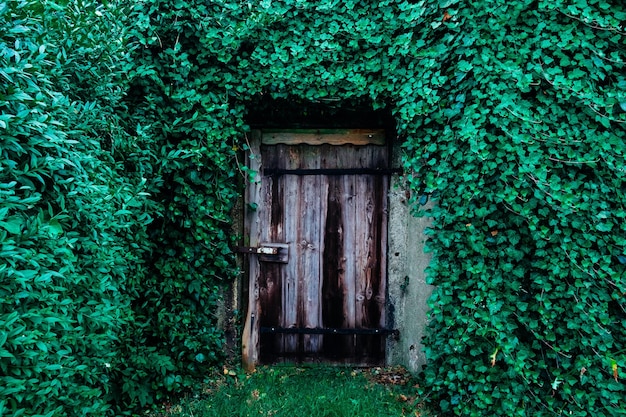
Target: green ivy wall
{"x":512,"y":117}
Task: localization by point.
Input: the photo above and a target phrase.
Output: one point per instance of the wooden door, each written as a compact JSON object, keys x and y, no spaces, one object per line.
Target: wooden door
{"x":320,"y":200}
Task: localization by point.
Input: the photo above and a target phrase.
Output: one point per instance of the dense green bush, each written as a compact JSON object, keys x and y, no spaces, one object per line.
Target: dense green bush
{"x":525,"y":153}
{"x":72,"y":222}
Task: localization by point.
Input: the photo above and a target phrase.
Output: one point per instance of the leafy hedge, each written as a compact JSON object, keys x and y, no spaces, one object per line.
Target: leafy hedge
{"x":112,"y":233}
{"x":72,"y":226}
{"x":121,"y":126}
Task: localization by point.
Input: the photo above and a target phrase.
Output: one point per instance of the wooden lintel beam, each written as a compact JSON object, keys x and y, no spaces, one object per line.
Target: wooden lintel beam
{"x":332,"y":171}
{"x":324,"y":136}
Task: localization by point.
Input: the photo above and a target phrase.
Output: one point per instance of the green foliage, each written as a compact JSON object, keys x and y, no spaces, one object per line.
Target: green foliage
{"x":120,"y":128}
{"x":113,"y":233}
{"x":72,"y":224}
{"x":525,"y":154}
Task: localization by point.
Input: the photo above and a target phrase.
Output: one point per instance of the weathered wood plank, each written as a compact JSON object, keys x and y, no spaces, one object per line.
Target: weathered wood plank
{"x":252,"y":228}
{"x":333,"y":271}
{"x":370,"y":298}
{"x":319,"y":193}
{"x":324,"y":136}
{"x":310,"y":242}
{"x":364,"y":267}
{"x":363,"y":242}
{"x":362,"y":156}
{"x":288,"y":219}
{"x":346,"y":156}
{"x":271,"y":274}
{"x":330,"y":157}
{"x":381,"y":295}
{"x":290,"y":280}
{"x":339,"y":272}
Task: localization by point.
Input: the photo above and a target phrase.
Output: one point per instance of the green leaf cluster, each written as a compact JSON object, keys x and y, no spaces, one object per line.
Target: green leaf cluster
{"x":73,"y":220}
{"x":525,"y":155}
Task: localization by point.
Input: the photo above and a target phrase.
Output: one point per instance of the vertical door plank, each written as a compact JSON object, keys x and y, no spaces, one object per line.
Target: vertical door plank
{"x":383,"y":216}
{"x":333,"y":268}
{"x":376,"y":351}
{"x":271,"y":273}
{"x":290,"y":280}
{"x":309,"y":278}
{"x":309,"y":241}
{"x":347,"y":157}
{"x":363,"y":241}
{"x":370,"y":293}
{"x":291,"y":158}
{"x":350,"y":198}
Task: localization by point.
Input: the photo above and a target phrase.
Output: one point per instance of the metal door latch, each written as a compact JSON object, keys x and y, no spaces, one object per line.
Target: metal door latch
{"x":262,"y":250}
{"x":268,"y":252}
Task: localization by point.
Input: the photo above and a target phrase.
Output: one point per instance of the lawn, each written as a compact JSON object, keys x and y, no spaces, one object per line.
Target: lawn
{"x":301,"y":392}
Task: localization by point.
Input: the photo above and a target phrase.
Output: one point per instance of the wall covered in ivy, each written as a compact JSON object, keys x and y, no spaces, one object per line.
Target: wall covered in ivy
{"x":120,"y":177}
{"x":512,"y":116}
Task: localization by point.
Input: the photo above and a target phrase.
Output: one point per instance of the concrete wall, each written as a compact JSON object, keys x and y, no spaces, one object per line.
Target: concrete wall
{"x":408,"y":291}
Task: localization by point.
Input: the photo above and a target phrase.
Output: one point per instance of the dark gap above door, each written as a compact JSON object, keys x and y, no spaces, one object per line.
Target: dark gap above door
{"x":266,"y":112}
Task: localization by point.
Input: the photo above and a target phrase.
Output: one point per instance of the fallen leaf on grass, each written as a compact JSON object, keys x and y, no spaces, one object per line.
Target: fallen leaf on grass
{"x":390,"y":376}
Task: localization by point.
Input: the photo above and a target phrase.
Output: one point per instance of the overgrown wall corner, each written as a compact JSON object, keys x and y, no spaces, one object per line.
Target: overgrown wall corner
{"x":229,"y":309}
{"x":408,"y":291}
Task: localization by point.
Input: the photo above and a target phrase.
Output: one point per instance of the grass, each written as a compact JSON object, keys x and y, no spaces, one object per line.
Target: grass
{"x":301,"y":392}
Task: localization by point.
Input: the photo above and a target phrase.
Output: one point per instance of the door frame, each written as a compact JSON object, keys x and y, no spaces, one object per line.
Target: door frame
{"x":253,"y":198}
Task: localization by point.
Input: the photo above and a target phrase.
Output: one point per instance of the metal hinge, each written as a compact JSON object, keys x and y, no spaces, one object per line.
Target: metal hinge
{"x":395,"y":333}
